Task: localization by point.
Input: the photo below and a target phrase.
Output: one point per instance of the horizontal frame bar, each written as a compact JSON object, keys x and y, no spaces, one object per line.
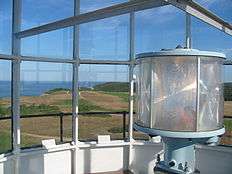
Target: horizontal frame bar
{"x":81,"y":61}
{"x":81,"y":113}
{"x":7,"y":57}
{"x":115,"y":10}
{"x":106,"y":62}
{"x":65,"y":114}
{"x":62,"y":60}
{"x":44,"y":59}
{"x":203,"y":14}
{"x":188,"y":6}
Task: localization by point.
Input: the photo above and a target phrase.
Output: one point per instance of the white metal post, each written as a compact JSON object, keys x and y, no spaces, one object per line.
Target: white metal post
{"x":131,"y":80}
{"x":75,"y":89}
{"x":75,"y":74}
{"x":15,"y":85}
{"x":188,"y":37}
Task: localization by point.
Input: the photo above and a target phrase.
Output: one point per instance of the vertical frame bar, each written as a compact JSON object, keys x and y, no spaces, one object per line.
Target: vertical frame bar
{"x":151,"y":94}
{"x":124,"y":125}
{"x":188,"y":37}
{"x":131,"y":69}
{"x":131,"y":80}
{"x":75,"y":89}
{"x":15,"y":84}
{"x":198,"y":91}
{"x":61,"y":128}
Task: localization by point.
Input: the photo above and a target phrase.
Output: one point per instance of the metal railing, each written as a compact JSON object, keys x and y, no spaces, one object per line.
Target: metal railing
{"x":61,"y":116}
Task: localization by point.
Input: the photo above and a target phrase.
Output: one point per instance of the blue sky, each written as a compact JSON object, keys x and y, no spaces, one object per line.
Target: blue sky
{"x":105,"y":39}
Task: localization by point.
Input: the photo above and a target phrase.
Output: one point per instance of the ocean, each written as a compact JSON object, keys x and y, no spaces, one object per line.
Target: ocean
{"x":33,"y":88}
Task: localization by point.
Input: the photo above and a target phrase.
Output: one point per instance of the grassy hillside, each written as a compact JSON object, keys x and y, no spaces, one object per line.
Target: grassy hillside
{"x":228,"y":91}
{"x":112,"y":96}
{"x":57,"y":90}
{"x":112,"y":87}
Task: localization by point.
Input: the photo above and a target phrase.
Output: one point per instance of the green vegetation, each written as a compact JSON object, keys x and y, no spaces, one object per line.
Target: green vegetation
{"x":84,"y":89}
{"x":112,"y":87}
{"x":123,"y":95}
{"x":117,"y":129}
{"x":4,"y":111}
{"x":228,"y":91}
{"x":66,"y":103}
{"x":38,"y":109}
{"x":228,"y":124}
{"x":5,"y":143}
{"x":112,"y":96}
{"x":57,"y":90}
{"x":85,"y":106}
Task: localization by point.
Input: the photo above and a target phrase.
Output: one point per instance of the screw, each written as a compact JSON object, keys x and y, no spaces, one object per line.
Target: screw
{"x":158,"y":158}
{"x":171,"y":163}
{"x":186,"y":169}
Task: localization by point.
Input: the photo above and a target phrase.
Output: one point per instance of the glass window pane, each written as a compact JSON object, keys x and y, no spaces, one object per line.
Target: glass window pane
{"x":45,"y":89}
{"x":54,"y":44}
{"x":221,"y":8}
{"x":211,"y":94}
{"x":102,"y":88}
{"x":106,"y":39}
{"x":5,"y":26}
{"x":91,"y":5}
{"x":36,"y":13}
{"x":206,"y":37}
{"x":5,"y":106}
{"x":227,"y":137}
{"x":159,"y":28}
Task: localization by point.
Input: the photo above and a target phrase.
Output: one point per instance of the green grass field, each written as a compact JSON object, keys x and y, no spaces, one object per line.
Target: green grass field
{"x":5,"y":141}
{"x":33,"y":130}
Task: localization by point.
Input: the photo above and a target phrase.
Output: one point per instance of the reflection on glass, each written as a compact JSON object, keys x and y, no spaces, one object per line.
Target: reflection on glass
{"x":54,"y":44}
{"x":159,"y":28}
{"x":223,"y":10}
{"x":91,"y":5}
{"x":206,"y":37}
{"x":107,"y":39}
{"x":36,"y":13}
{"x":102,"y":88}
{"x":5,"y":105}
{"x":5,"y":26}
{"x":45,"y":89}
{"x":227,"y":137}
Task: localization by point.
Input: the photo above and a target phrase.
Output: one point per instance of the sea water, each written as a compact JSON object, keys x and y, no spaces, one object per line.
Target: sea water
{"x":35,"y":88}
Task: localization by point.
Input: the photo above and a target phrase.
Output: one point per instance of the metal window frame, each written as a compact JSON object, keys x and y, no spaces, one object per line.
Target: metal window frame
{"x":75,"y":89}
{"x":191,"y":8}
{"x":115,"y":10}
{"x":15,"y":84}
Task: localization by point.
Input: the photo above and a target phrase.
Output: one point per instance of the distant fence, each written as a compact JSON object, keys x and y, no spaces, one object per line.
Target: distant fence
{"x":61,"y":116}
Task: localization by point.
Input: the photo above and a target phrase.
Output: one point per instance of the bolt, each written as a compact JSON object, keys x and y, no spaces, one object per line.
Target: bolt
{"x":171,"y":164}
{"x":186,"y":169}
{"x":158,"y":158}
